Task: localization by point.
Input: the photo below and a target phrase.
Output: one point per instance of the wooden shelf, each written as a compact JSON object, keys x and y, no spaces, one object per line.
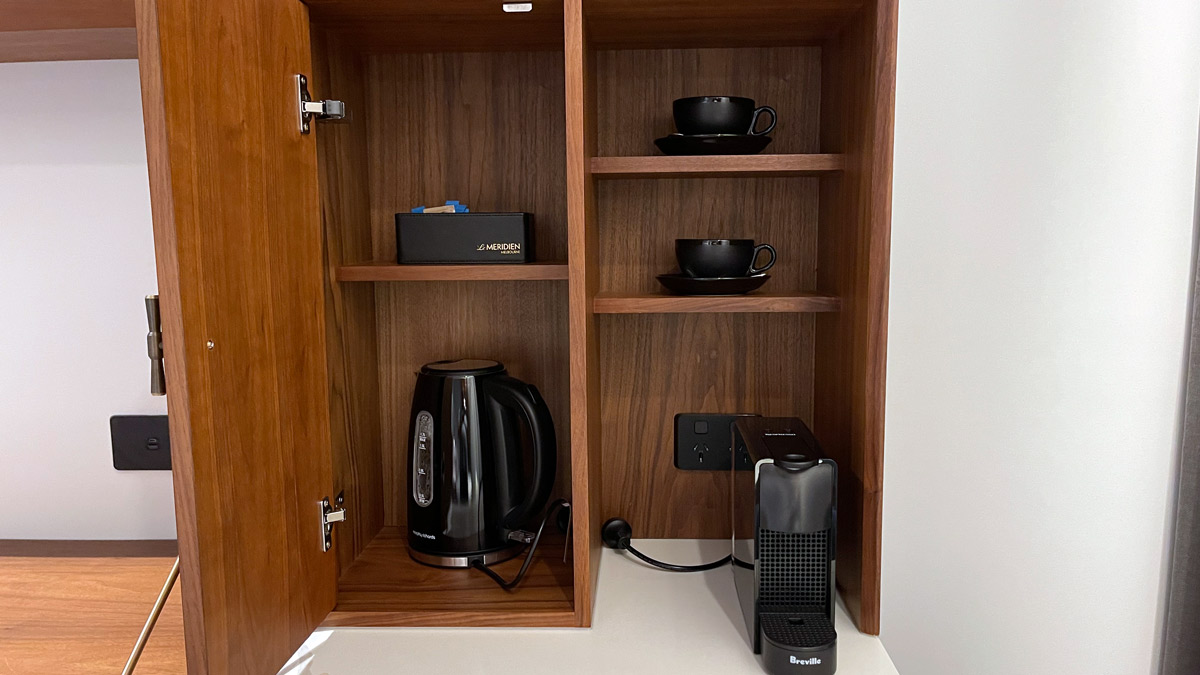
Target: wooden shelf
{"x":376,"y":271}
{"x":706,"y":166}
{"x":638,"y":24}
{"x":386,"y":587}
{"x":410,"y":26}
{"x":660,"y":303}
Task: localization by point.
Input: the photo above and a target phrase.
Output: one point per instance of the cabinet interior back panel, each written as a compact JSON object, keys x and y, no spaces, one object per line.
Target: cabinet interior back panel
{"x":655,"y":366}
{"x":522,"y":324}
{"x":488,"y":130}
{"x":639,"y":221}
{"x":635,"y":88}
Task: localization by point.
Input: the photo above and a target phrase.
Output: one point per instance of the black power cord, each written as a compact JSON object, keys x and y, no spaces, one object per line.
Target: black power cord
{"x":512,"y":585}
{"x":616,"y":533}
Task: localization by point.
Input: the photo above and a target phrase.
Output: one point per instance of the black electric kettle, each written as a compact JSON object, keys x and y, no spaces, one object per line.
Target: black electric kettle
{"x":481,"y":464}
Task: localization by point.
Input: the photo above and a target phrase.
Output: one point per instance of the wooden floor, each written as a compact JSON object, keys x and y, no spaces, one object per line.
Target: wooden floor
{"x":62,"y":614}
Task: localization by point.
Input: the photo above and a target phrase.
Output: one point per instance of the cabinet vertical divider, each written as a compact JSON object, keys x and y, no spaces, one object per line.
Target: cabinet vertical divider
{"x":583,"y":281}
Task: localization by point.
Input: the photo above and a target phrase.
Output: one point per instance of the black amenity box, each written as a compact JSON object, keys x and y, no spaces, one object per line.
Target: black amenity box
{"x":426,"y":238}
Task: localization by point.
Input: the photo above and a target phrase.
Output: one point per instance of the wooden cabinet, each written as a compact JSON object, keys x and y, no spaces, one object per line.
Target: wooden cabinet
{"x":292,"y":338}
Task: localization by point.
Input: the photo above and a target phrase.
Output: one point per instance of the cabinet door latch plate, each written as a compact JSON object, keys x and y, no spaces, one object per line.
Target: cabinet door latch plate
{"x":330,"y":514}
{"x":309,"y":109}
{"x":154,"y":347}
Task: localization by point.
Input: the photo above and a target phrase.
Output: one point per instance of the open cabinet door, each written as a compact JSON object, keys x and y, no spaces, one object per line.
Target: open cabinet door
{"x":237,"y":238}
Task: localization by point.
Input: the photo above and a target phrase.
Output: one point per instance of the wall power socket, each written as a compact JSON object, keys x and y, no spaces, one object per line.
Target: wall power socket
{"x":140,"y":442}
{"x":703,"y":442}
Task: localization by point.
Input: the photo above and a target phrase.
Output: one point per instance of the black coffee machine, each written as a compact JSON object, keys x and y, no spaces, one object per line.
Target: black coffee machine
{"x":784,"y":544}
{"x":481,"y":464}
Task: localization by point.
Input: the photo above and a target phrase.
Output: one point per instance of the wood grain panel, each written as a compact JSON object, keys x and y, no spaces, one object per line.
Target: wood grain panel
{"x":442,"y":25}
{"x":640,"y":220}
{"x":580,"y":79}
{"x":247,"y":261}
{"x":522,"y":324}
{"x":457,"y":618}
{"x":82,"y":44}
{"x":655,"y":366}
{"x":715,"y":165}
{"x":636,"y":88}
{"x":67,"y":30}
{"x":661,"y":303}
{"x":857,"y":112}
{"x":33,"y":15}
{"x":715,"y":23}
{"x":338,"y":72}
{"x":169,"y":271}
{"x":484,"y":129}
{"x":393,"y":272}
{"x":386,"y":579}
{"x":82,"y":615}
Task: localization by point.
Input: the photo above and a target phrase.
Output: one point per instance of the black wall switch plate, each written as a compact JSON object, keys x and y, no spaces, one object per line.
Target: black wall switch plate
{"x":702,"y":442}
{"x":140,"y":442}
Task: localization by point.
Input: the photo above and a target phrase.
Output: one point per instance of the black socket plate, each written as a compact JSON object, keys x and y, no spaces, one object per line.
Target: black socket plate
{"x":140,"y":442}
{"x":703,"y":440}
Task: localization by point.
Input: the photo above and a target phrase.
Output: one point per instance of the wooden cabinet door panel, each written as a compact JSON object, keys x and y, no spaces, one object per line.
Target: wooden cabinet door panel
{"x":238,"y":246}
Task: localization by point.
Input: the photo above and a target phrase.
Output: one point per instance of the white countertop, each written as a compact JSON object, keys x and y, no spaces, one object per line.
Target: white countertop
{"x":646,"y":621}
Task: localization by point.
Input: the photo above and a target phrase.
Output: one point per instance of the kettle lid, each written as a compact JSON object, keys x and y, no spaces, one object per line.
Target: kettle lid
{"x":462,"y":367}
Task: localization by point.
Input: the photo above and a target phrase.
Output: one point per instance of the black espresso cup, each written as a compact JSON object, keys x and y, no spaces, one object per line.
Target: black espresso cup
{"x":721,"y":258}
{"x":697,"y":115}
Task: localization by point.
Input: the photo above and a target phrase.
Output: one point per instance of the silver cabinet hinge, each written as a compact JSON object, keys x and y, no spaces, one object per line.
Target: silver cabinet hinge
{"x":308,"y":108}
{"x":329,"y":516}
{"x":154,"y":347}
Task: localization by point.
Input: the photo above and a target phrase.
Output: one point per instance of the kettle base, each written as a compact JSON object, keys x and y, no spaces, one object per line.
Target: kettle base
{"x":460,"y":561}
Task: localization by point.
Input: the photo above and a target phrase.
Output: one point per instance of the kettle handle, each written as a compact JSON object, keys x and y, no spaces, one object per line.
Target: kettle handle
{"x":513,"y":393}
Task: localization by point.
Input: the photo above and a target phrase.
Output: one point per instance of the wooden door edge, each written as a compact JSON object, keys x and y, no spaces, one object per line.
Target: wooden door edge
{"x":162,"y":209}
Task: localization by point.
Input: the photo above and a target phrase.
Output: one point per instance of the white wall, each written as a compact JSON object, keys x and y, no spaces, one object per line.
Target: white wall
{"x":76,"y":259}
{"x":1045,"y":181}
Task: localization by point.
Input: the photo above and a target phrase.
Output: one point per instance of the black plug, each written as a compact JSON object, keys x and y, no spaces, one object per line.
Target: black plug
{"x":616,"y":533}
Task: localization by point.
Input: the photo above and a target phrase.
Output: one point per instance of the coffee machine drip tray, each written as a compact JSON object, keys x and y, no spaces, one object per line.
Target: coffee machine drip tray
{"x":798,"y":631}
{"x":791,"y":639}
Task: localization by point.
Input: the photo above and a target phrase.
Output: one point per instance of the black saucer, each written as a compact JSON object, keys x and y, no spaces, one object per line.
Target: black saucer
{"x":682,"y":284}
{"x":712,"y":144}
